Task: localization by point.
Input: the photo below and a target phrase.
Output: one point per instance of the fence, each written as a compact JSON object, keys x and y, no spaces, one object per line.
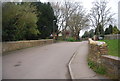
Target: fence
{"x":114,"y":36}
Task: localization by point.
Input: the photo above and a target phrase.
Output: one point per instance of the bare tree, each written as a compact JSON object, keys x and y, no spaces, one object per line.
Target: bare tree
{"x":100,"y":14}
{"x":63,"y":12}
{"x":77,"y":22}
{"x":70,"y":9}
{"x":58,"y":11}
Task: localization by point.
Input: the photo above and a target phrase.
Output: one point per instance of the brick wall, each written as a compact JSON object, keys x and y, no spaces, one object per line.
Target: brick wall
{"x":98,"y":53}
{"x":11,"y":46}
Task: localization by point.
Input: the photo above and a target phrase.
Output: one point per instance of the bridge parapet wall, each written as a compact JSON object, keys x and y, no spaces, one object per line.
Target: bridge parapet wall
{"x":15,"y":45}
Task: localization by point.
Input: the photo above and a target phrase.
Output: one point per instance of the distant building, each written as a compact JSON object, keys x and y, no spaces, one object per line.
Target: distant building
{"x":119,"y":14}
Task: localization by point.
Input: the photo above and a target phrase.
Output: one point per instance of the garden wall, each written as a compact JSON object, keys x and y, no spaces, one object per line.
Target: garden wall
{"x":98,"y":53}
{"x":11,"y":46}
{"x":114,"y":36}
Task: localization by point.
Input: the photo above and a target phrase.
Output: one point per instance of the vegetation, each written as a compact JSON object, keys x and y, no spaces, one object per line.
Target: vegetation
{"x":99,"y":31}
{"x":36,"y":20}
{"x":97,"y":68}
{"x":19,"y":21}
{"x":109,"y":30}
{"x":26,"y":21}
{"x":71,"y":39}
{"x":100,"y":14}
{"x":88,"y":34}
{"x":112,"y":30}
{"x":70,"y":16}
{"x":45,"y":19}
{"x":116,"y":30}
{"x":113,"y":47}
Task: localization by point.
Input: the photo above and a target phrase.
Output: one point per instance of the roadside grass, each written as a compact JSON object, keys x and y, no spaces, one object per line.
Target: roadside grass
{"x":97,"y":68}
{"x":113,"y":47}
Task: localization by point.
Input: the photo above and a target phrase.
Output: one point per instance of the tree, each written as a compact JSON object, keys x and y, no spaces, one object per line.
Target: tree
{"x":86,"y":34}
{"x":19,"y":21}
{"x":91,"y":33}
{"x":109,"y":30}
{"x":99,"y":30}
{"x":58,"y":11}
{"x":63,"y":13}
{"x":28,"y":20}
{"x":77,"y":22}
{"x":45,"y":19}
{"x":100,"y":15}
{"x":8,"y":18}
{"x":115,"y":30}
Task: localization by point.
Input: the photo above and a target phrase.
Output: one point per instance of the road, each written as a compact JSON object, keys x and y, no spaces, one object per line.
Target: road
{"x":46,"y":62}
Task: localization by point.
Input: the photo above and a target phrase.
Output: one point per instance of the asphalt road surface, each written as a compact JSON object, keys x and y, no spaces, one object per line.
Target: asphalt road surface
{"x":46,"y":62}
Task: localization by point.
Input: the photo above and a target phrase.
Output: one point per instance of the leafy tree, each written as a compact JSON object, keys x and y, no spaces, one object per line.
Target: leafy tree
{"x":19,"y":21}
{"x":29,"y":19}
{"x":91,"y":33}
{"x":109,"y":30}
{"x":9,"y":17}
{"x":45,"y":19}
{"x":86,"y":34}
{"x":99,"y":30}
{"x":115,"y":30}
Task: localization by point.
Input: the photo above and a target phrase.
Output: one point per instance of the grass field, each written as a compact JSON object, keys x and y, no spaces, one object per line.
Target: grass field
{"x":113,"y":47}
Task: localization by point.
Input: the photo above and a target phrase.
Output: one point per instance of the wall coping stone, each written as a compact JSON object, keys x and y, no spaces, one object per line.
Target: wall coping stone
{"x":26,"y":41}
{"x":112,"y":57}
{"x":15,"y":45}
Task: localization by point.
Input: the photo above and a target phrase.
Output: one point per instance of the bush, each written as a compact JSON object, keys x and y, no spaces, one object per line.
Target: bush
{"x":70,"y":39}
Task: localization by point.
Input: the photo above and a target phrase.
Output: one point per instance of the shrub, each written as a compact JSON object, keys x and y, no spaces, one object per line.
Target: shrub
{"x":71,"y":39}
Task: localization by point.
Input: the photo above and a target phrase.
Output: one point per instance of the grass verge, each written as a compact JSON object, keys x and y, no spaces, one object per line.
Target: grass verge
{"x":113,"y":47}
{"x":97,"y":68}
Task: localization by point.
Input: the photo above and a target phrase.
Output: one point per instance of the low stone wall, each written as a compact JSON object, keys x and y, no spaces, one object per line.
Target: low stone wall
{"x":11,"y":46}
{"x":114,"y":36}
{"x":112,"y":64}
{"x":98,"y":53}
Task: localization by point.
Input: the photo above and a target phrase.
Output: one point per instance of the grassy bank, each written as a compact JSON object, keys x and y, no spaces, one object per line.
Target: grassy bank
{"x":97,"y":68}
{"x":113,"y":47}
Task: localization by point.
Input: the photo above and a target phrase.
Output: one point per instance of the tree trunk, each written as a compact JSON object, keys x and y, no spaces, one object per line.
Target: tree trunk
{"x":77,"y":36}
